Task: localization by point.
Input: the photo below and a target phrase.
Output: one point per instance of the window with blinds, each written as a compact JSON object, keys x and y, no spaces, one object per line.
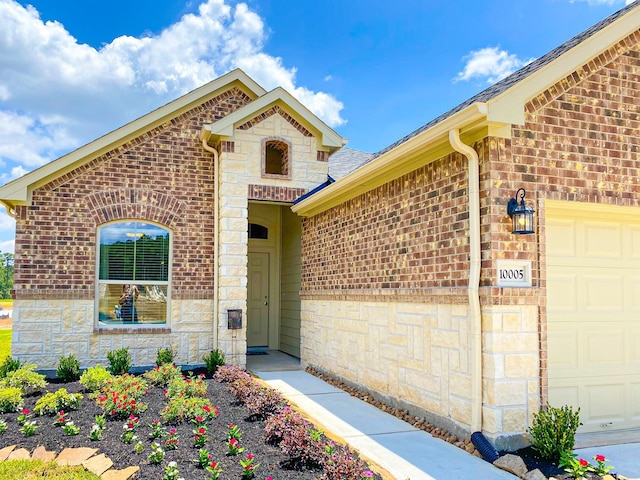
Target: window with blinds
{"x":133,"y":273}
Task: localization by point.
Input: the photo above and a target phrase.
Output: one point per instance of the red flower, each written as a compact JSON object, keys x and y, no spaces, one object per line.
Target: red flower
{"x":250,"y":456}
{"x":583,"y":462}
{"x":601,"y":458}
{"x":213,"y":465}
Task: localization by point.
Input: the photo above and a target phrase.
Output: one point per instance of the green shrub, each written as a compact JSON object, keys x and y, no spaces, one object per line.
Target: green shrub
{"x":119,"y":361}
{"x":9,"y":365}
{"x":52,"y":403}
{"x":165,"y":355}
{"x":68,"y":368}
{"x":25,"y":379}
{"x":10,"y":399}
{"x":185,"y":409}
{"x":213,"y":360}
{"x":120,"y":397}
{"x":94,"y":378}
{"x":187,"y":387}
{"x":161,"y":376}
{"x":553,"y":431}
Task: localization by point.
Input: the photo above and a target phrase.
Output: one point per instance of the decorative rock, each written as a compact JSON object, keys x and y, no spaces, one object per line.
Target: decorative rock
{"x":75,"y":456}
{"x":534,"y":475}
{"x":41,"y":453}
{"x":19,"y":454}
{"x":4,"y":453}
{"x":512,"y":463}
{"x":125,"y":474}
{"x":98,"y":464}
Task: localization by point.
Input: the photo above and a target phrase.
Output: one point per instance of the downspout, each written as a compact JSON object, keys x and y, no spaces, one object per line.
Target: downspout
{"x":216,"y":235}
{"x":475,"y":318}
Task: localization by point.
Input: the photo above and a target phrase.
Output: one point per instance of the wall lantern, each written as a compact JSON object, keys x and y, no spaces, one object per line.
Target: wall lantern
{"x":520,"y":213}
{"x":234,"y":319}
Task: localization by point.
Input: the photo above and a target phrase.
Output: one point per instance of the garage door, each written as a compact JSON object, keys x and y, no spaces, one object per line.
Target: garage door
{"x":593,"y":308}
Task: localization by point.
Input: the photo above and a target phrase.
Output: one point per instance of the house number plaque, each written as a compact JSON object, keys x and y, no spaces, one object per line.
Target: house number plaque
{"x":514,"y":273}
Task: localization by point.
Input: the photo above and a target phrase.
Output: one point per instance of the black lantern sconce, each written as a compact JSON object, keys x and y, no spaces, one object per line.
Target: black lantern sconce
{"x":234,"y":319}
{"x":520,"y":213}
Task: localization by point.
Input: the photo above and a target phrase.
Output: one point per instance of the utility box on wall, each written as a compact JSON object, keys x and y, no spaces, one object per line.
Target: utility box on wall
{"x":234,"y":319}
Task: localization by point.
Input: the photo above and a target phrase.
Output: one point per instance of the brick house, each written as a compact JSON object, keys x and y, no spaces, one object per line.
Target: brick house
{"x":402,"y":276}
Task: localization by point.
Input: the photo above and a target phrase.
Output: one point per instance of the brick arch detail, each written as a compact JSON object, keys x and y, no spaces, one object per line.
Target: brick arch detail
{"x":158,"y":207}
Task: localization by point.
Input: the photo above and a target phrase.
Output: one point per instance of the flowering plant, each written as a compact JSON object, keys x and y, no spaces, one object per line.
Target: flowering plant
{"x":601,"y":469}
{"x":24,"y":416}
{"x":234,"y":447}
{"x":249,"y":466}
{"x":70,"y":428}
{"x":171,"y":471}
{"x":157,"y":454}
{"x":234,"y":432}
{"x":138,"y":447}
{"x":29,"y":428}
{"x":157,"y":430}
{"x":210,"y":411}
{"x":95,"y":433}
{"x":214,"y":470}
{"x":129,"y":429}
{"x":204,"y":458}
{"x":171,"y":443}
{"x":199,"y":436}
{"x":119,"y":397}
{"x":577,"y":467}
{"x":3,"y":425}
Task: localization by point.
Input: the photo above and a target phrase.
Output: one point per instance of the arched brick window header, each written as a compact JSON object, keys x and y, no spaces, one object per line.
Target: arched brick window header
{"x":276,"y":157}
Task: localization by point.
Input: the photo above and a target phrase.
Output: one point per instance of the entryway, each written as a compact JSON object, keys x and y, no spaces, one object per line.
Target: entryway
{"x":273,"y":279}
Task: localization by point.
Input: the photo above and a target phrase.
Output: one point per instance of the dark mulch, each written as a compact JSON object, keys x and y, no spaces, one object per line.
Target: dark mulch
{"x":533,"y":460}
{"x":272,"y":462}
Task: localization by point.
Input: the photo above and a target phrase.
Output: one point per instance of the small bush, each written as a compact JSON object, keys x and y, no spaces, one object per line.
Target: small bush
{"x":344,"y":463}
{"x":161,"y":376}
{"x":553,"y":431}
{"x":25,"y":379}
{"x":186,"y":387}
{"x":94,"y":378}
{"x":214,"y":360}
{"x":165,"y":355}
{"x":278,"y":426}
{"x":230,"y":374}
{"x":119,"y":361}
{"x":180,"y":409}
{"x":52,"y":403}
{"x":9,"y":365}
{"x":10,"y":399}
{"x":120,"y":397}
{"x":68,"y":368}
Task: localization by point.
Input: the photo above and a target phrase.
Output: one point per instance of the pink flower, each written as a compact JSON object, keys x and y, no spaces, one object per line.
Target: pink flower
{"x":583,"y":462}
{"x":600,"y":458}
{"x":250,"y":456}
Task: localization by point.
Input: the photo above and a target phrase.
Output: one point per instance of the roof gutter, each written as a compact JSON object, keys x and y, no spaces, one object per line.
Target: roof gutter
{"x":475,"y":314}
{"x":408,"y":156}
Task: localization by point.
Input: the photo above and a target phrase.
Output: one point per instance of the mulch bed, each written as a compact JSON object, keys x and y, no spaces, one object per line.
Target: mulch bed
{"x":272,"y":462}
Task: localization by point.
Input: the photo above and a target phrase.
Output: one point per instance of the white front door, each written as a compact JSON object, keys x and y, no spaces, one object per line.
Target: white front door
{"x":258,"y":300}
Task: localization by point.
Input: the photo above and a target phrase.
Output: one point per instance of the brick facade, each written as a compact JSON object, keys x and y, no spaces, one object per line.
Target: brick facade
{"x":407,"y":242}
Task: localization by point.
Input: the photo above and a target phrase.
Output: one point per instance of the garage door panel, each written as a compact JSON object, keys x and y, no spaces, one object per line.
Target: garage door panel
{"x":603,"y":404}
{"x":603,"y":293}
{"x":593,"y":312}
{"x":634,"y":242}
{"x":563,"y":350}
{"x":561,"y":238}
{"x":604,"y":350}
{"x":602,"y":240}
{"x":562,"y":292}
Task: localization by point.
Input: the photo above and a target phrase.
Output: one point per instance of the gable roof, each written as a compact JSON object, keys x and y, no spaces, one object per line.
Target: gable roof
{"x":490,"y":112}
{"x":345,"y":161}
{"x":18,"y":191}
{"x":276,"y":97}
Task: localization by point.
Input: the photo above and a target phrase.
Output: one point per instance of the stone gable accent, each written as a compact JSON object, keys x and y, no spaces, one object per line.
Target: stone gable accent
{"x":273,"y":111}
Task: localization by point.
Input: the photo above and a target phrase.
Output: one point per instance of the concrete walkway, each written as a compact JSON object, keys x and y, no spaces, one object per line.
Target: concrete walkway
{"x":396,"y":446}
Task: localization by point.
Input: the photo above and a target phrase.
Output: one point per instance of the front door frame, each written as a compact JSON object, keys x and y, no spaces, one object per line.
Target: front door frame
{"x":269,"y":215}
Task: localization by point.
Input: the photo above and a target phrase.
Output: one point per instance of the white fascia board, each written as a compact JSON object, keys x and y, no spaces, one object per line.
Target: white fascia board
{"x":225,"y":126}
{"x":18,"y":191}
{"x":501,"y":108}
{"x":391,"y":164}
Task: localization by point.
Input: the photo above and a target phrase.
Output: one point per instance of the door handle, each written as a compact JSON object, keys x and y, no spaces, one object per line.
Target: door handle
{"x":265,"y":301}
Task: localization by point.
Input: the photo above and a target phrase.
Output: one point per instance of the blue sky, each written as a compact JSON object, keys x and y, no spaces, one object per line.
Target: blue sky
{"x":73,"y":70}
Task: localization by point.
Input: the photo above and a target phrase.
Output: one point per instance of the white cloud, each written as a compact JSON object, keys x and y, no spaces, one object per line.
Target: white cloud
{"x":7,"y":229}
{"x":602,"y":2}
{"x":490,"y":63}
{"x":56,"y":94}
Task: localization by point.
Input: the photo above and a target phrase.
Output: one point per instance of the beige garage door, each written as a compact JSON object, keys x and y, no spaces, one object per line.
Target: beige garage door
{"x":593,"y":306}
